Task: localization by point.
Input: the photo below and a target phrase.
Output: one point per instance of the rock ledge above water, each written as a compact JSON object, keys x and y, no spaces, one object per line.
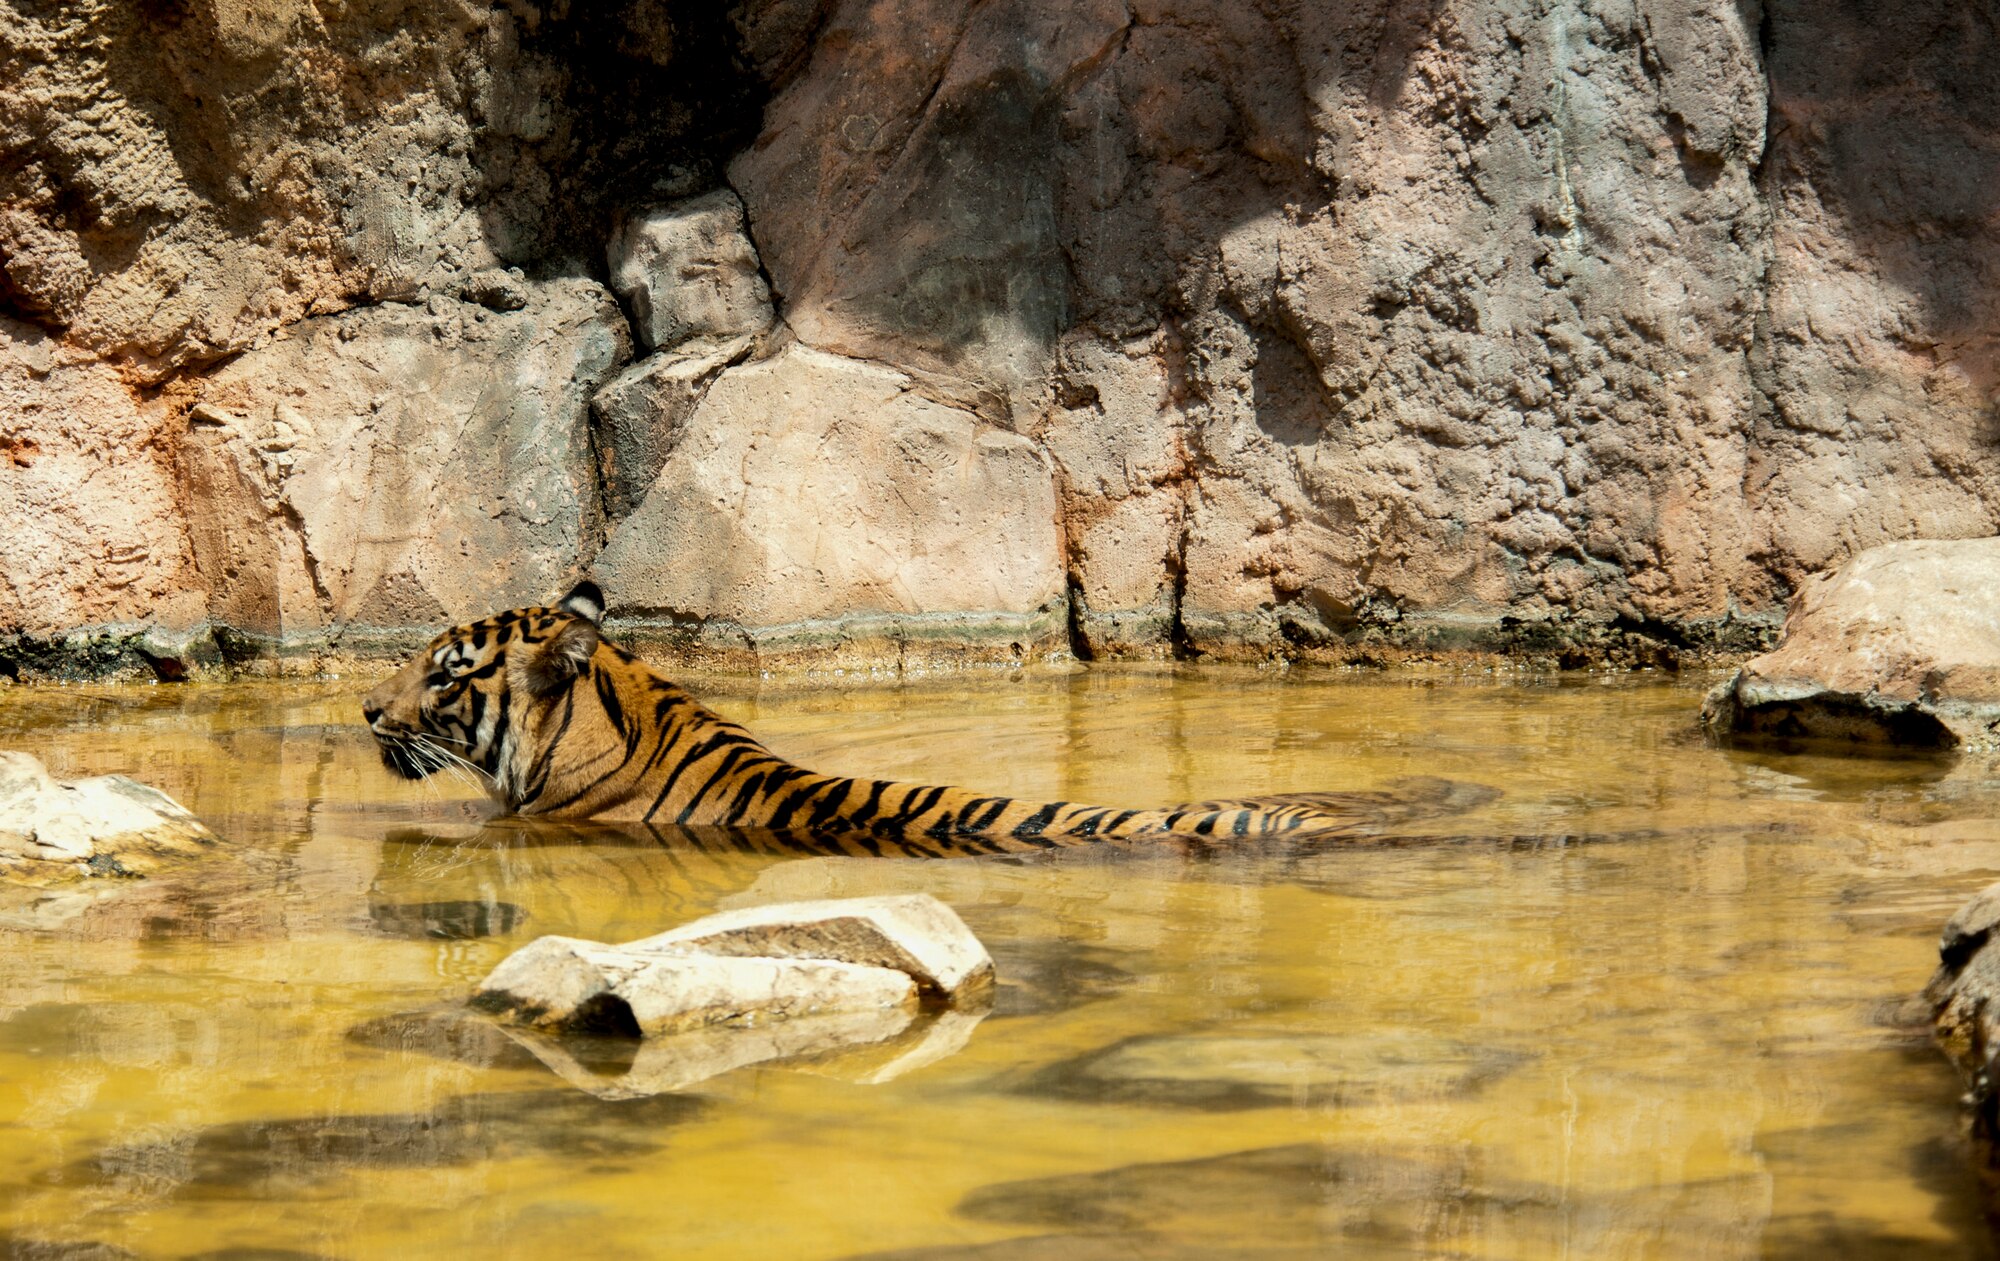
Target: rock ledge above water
{"x":1899,"y":647}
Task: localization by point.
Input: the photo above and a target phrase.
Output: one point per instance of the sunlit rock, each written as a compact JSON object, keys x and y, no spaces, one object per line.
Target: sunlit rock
{"x":812,"y":500}
{"x":398,"y":467}
{"x":810,"y":984}
{"x":565,"y":984}
{"x":911,"y":933}
{"x":1900,"y":646}
{"x":688,"y":271}
{"x":88,"y":825}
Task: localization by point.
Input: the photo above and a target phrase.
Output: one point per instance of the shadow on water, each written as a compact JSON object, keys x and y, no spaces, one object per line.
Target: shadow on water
{"x":294,"y":1155}
{"x":1245,"y":1068}
{"x":1315,"y":1200}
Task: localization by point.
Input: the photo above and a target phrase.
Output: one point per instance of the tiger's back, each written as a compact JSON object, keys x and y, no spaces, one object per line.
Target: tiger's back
{"x":561,"y":723}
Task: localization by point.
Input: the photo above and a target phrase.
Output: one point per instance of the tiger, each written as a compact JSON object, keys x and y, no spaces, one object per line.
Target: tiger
{"x":558,"y":722}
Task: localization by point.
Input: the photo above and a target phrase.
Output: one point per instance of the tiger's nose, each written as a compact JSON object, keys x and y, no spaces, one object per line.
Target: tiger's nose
{"x":371,"y":711}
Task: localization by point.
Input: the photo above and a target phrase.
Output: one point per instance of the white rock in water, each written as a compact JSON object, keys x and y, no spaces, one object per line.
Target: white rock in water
{"x":565,"y":984}
{"x":1899,"y":646}
{"x":86,"y":821}
{"x":912,"y":933}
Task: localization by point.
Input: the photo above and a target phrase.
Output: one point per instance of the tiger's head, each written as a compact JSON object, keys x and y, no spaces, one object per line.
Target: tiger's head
{"x":461,"y":701}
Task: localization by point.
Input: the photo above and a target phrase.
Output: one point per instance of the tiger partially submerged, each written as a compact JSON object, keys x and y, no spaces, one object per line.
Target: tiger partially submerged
{"x":559,"y":722}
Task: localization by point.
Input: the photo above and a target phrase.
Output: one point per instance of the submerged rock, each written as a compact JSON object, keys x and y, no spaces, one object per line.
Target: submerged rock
{"x":1898,"y":647}
{"x":109,"y":825}
{"x":1964,"y":1012}
{"x":745,"y":968}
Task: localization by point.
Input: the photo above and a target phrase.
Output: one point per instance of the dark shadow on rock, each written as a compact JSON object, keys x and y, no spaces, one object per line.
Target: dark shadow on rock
{"x":649,"y":100}
{"x":1887,"y":114}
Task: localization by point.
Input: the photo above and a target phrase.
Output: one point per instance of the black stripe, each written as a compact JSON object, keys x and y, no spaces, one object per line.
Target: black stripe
{"x":729,"y":763}
{"x":1242,"y":824}
{"x":607,"y":696}
{"x":1033,"y":824}
{"x":824,"y":811}
{"x":868,"y":807}
{"x":741,"y":802}
{"x":698,"y":752}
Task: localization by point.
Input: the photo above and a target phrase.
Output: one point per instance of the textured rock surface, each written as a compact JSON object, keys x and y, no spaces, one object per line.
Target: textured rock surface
{"x":1901,"y":645}
{"x":689,"y":271}
{"x":109,"y":825}
{"x":1579,"y":328}
{"x":563,"y":984}
{"x":912,"y":933}
{"x":400,"y":466}
{"x":747,"y":967}
{"x":812,"y":499}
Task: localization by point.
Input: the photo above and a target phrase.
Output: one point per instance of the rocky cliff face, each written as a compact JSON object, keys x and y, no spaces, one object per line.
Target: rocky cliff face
{"x":1148,"y":328}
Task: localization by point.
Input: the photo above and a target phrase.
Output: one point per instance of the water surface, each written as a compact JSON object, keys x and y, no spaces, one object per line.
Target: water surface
{"x":1578,"y":986}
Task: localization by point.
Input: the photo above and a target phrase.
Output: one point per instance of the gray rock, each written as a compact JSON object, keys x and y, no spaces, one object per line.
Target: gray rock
{"x":496,"y":289}
{"x":810,"y":496}
{"x":689,"y":270}
{"x":109,"y":824}
{"x":643,"y":411}
{"x":1899,"y":646}
{"x":563,"y":984}
{"x":399,"y":467}
{"x":913,"y":933}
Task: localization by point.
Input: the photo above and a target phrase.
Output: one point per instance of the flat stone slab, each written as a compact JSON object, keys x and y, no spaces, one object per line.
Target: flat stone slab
{"x":1898,"y":647}
{"x":87,"y":824}
{"x":911,"y":933}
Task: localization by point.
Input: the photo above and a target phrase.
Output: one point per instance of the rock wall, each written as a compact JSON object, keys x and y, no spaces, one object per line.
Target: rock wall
{"x":1580,"y":329}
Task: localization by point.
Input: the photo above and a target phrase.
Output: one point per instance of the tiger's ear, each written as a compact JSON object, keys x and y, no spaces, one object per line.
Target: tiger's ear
{"x":584,"y":600}
{"x":557,"y":662}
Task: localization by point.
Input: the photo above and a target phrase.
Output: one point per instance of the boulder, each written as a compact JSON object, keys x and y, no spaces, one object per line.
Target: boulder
{"x":911,"y":933}
{"x":811,"y":497}
{"x":1900,"y":646}
{"x":400,"y":467}
{"x":690,"y":271}
{"x":565,"y":984}
{"x":744,"y":968}
{"x":109,"y":825}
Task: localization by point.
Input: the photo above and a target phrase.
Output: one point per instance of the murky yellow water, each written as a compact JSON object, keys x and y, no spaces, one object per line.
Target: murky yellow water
{"x":1640,"y":1000}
